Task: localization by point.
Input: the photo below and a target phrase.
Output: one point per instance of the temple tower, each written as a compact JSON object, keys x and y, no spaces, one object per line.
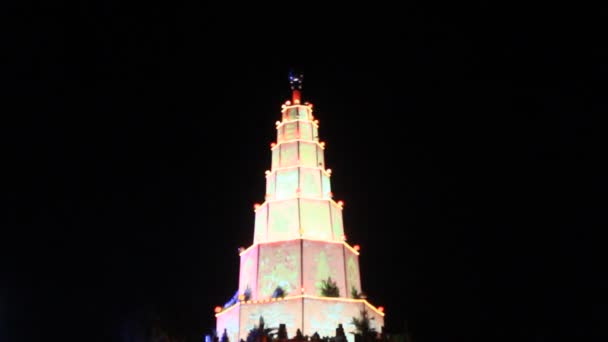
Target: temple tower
{"x":299,"y":271}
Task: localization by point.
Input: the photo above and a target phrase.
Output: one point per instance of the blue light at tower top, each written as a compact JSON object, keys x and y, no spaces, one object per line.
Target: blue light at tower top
{"x":295,"y":80}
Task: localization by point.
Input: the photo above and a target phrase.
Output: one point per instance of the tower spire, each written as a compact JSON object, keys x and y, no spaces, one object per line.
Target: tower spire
{"x":295,"y":81}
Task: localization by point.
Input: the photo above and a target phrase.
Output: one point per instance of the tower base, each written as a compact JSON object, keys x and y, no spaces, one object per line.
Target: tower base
{"x":310,"y":314}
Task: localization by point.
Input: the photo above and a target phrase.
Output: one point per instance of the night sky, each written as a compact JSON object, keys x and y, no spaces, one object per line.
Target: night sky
{"x":464,"y":141}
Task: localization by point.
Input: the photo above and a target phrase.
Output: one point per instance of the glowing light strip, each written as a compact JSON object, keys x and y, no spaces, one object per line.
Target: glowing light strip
{"x":277,"y":144}
{"x":381,"y":313}
{"x":334,"y":202}
{"x":299,"y":196}
{"x":351,"y":248}
{"x":327,"y":173}
{"x":257,"y":207}
{"x":281,"y":123}
{"x":339,"y":299}
{"x":323,"y":197}
{"x":297,"y":239}
{"x":329,"y":299}
{"x":286,"y":107}
{"x":227,"y":309}
{"x":248,"y":248}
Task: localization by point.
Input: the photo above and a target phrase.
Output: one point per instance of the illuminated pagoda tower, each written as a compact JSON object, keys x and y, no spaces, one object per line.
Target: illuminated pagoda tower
{"x":298,"y":244}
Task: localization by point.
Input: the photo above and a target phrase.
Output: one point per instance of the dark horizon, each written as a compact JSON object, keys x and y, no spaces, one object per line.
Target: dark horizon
{"x":137,"y":139}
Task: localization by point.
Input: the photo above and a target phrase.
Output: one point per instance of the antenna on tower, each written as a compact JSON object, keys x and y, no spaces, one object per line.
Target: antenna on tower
{"x":295,"y":81}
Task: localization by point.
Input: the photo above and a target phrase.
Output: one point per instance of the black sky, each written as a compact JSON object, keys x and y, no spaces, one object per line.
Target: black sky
{"x":464,"y":140}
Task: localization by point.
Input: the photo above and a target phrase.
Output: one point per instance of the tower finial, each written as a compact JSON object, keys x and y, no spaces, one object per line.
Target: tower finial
{"x":295,"y":81}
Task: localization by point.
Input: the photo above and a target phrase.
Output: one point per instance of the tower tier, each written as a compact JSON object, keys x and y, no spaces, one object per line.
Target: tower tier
{"x":310,"y":314}
{"x":309,"y":218}
{"x":298,"y":266}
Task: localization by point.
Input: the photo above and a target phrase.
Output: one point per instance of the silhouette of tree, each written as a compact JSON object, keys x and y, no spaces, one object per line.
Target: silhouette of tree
{"x":299,"y":335}
{"x":340,"y":335}
{"x":259,"y":333}
{"x":363,"y":326}
{"x":278,"y":292}
{"x":224,"y":337}
{"x":282,"y":333}
{"x":329,"y":288}
{"x":247,"y":293}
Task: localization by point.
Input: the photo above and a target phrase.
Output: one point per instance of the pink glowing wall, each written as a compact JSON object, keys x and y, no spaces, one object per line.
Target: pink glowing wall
{"x":288,"y":312}
{"x":315,"y":219}
{"x":323,"y":260}
{"x":353,"y":278}
{"x":229,"y":321}
{"x":286,"y":183}
{"x":310,"y":183}
{"x":295,"y":264}
{"x":321,"y":316}
{"x":279,"y":265}
{"x":249,"y":272}
{"x":261,"y":224}
{"x":289,"y":154}
{"x":324,"y":316}
{"x":337,"y":225}
{"x":297,"y":112}
{"x":283,"y":221}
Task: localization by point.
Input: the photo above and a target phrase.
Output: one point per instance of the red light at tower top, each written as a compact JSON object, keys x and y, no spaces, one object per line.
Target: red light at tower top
{"x":295,"y":80}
